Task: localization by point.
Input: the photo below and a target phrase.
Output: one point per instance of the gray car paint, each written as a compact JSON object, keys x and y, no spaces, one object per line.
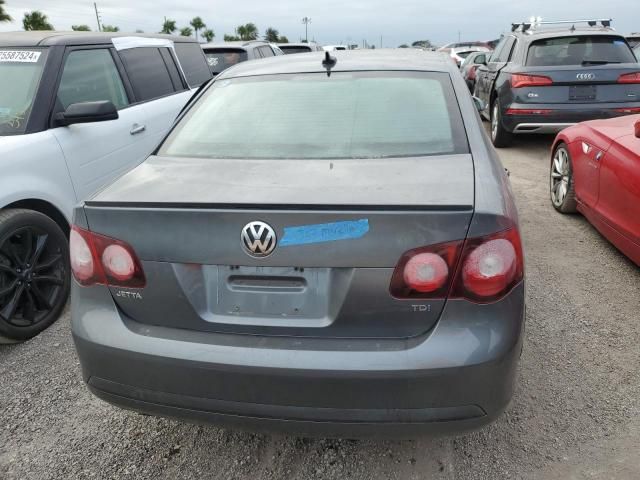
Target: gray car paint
{"x":458,"y":373}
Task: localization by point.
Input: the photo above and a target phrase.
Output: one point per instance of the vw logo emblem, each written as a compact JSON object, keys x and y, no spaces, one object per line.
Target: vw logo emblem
{"x":258,"y":239}
{"x":586,"y":76}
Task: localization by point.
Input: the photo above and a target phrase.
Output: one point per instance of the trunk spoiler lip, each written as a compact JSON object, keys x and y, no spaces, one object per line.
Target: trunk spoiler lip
{"x":278,"y":207}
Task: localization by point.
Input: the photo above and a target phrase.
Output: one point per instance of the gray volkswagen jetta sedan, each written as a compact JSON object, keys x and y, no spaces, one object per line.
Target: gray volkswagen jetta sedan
{"x":321,"y":245}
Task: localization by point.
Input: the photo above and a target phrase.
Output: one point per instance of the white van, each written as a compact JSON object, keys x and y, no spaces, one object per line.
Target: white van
{"x":76,"y":111}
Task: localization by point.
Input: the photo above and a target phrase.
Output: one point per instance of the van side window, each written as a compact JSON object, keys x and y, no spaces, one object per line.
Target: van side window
{"x":148,"y":72}
{"x":265,"y":51}
{"x":193,"y":62}
{"x":91,"y":76}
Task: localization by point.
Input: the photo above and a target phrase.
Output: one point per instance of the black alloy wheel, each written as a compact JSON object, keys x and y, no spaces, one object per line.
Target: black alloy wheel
{"x":34,"y":273}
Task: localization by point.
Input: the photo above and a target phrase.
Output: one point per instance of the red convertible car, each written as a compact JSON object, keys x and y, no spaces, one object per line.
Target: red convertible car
{"x":595,"y":170}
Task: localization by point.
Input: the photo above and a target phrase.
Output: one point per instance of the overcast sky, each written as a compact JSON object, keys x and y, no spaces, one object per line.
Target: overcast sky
{"x":333,"y":21}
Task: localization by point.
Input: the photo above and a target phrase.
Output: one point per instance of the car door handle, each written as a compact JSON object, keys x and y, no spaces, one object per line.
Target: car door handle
{"x":136,"y":129}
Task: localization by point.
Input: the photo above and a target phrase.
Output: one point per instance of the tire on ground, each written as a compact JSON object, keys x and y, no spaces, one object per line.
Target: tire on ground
{"x":11,"y":221}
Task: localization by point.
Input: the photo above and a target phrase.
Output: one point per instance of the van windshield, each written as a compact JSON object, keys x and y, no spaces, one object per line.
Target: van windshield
{"x":313,"y":116}
{"x":20,"y":73}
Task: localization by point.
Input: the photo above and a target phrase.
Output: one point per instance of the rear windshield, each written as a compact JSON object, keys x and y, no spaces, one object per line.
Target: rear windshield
{"x":222,"y":58}
{"x":579,"y":50}
{"x":20,"y":72}
{"x":309,"y":116}
{"x":291,"y":50}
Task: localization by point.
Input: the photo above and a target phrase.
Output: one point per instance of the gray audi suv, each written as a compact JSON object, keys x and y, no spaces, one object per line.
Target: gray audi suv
{"x":360,"y":276}
{"x":546,"y":76}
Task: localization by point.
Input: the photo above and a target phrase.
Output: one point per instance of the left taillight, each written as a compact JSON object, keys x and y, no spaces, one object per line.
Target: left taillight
{"x":520,"y":80}
{"x":100,"y":260}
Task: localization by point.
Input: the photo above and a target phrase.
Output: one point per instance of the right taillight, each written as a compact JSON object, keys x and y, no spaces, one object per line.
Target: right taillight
{"x":629,"y":78}
{"x":100,"y":260}
{"x":482,"y":270}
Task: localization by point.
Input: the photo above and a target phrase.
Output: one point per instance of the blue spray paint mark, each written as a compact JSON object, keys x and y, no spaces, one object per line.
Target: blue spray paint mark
{"x":324,"y":232}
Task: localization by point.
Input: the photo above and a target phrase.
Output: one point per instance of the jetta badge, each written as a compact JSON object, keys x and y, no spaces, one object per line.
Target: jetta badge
{"x":586,"y":76}
{"x":258,"y":239}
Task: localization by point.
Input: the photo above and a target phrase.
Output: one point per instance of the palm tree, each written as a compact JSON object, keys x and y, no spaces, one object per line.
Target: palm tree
{"x":231,"y":38}
{"x":283,"y":39}
{"x":80,"y":28}
{"x":272,"y":35}
{"x":247,"y":32}
{"x":4,"y":17}
{"x":251,"y":31}
{"x":36,"y":20}
{"x":186,"y":32}
{"x":197,"y":24}
{"x":110,"y":28}
{"x":169,"y":26}
{"x":208,"y":35}
{"x":242,"y":32}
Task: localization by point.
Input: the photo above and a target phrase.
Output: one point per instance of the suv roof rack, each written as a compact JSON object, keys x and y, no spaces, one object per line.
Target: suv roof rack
{"x":535,"y":22}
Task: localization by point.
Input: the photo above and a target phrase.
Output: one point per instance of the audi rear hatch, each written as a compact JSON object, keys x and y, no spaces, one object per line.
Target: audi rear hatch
{"x":578,"y":70}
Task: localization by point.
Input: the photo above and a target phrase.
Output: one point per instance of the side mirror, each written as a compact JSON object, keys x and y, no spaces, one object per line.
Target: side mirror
{"x":481,"y":60}
{"x":637,"y":127}
{"x":87,"y":112}
{"x":480,"y":105}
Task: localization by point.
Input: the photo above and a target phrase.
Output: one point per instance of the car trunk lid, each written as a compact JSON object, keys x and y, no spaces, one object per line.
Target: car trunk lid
{"x":341,"y":225}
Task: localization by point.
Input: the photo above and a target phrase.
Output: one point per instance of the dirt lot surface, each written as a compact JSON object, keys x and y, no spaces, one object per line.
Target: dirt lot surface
{"x":575,"y":413}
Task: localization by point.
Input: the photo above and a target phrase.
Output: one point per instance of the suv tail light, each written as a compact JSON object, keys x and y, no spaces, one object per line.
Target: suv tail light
{"x":100,"y":260}
{"x":482,"y":270}
{"x":629,"y":78}
{"x":519,"y":80}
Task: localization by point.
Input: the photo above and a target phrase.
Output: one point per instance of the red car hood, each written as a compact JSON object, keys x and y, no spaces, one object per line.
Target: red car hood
{"x":615,"y":128}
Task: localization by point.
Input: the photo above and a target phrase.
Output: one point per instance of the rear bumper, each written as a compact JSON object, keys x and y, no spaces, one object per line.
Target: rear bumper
{"x":561,"y":116}
{"x":459,"y":376}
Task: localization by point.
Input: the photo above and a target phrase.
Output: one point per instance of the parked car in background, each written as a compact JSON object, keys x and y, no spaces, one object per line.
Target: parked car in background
{"x":464,"y":45}
{"x":459,"y":54}
{"x":636,"y":50}
{"x":221,"y":56}
{"x":634,"y":40}
{"x":470,"y":66}
{"x":76,"y":111}
{"x":595,"y":170}
{"x":333,"y":48}
{"x":381,"y":292}
{"x":542,"y":79}
{"x":289,"y":48}
{"x":276,"y":49}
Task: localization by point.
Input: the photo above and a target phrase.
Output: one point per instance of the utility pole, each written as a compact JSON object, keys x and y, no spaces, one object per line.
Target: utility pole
{"x":306,"y":21}
{"x":95,"y":6}
{"x":381,"y":41}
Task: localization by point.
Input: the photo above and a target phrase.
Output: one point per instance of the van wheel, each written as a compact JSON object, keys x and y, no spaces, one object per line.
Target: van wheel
{"x":34,"y":274}
{"x":499,"y":136}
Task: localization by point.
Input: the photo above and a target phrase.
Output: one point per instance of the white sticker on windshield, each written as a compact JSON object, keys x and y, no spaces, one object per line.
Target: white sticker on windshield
{"x":19,"y":56}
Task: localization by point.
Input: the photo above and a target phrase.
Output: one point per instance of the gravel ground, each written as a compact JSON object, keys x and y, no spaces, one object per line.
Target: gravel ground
{"x":575,"y":413}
